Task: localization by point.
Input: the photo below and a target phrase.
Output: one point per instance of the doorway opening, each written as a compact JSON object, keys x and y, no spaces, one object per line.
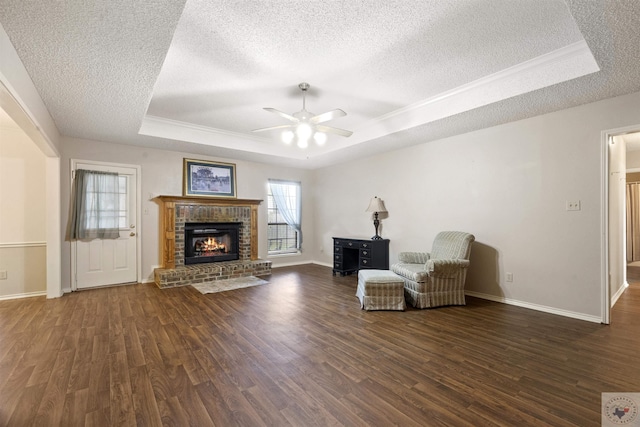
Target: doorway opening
{"x":617,"y":146}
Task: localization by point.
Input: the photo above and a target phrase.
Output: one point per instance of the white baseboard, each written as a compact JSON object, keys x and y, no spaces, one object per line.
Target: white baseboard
{"x":614,"y":298}
{"x":289,"y":264}
{"x":324,"y":264}
{"x":537,"y":307}
{"x":24,"y":295}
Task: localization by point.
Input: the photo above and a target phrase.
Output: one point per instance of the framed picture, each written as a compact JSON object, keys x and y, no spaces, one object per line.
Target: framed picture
{"x":209,"y":179}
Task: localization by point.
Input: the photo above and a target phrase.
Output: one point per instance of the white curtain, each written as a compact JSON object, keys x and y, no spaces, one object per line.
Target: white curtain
{"x":95,"y":211}
{"x":633,"y":222}
{"x":287,"y":198}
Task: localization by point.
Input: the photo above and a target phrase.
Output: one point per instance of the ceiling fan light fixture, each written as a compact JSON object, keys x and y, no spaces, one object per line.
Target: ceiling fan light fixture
{"x":304,"y":131}
{"x":306,"y":125}
{"x":287,"y":136}
{"x":320,"y":138}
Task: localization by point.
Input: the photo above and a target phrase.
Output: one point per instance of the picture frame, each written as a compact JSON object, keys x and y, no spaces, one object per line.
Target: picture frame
{"x":203,"y":178}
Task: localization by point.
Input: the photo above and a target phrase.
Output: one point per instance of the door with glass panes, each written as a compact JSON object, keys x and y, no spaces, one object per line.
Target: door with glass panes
{"x":101,"y":262}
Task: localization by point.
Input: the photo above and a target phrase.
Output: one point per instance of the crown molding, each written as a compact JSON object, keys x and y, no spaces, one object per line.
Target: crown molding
{"x":160,"y":127}
{"x":567,"y":63}
{"x":149,"y":122}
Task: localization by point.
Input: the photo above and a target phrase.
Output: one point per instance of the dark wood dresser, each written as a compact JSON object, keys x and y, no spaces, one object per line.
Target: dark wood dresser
{"x":351,"y":254}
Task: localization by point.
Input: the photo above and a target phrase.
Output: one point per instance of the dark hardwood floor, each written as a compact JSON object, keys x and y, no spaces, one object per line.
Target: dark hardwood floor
{"x":299,"y":351}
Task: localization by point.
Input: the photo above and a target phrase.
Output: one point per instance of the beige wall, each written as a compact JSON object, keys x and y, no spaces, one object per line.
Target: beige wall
{"x":22,"y":215}
{"x":508,"y":185}
{"x":162,"y":175}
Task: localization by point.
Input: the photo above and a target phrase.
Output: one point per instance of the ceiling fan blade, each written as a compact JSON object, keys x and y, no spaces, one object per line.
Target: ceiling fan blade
{"x":273,"y":128}
{"x":281,"y":114}
{"x":329,"y":129}
{"x":329,"y":115}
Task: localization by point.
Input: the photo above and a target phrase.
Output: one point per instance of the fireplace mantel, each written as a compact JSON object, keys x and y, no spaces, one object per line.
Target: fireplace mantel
{"x":168,"y":206}
{"x":219,"y":201}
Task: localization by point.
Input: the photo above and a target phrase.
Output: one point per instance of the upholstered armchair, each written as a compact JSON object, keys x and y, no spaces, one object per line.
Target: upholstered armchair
{"x":437,"y":278}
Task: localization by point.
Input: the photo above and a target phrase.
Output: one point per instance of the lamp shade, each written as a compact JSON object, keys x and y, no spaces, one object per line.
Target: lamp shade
{"x":376,"y":205}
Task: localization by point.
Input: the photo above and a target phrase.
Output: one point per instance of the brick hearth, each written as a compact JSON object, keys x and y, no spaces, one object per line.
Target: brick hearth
{"x":176,"y":211}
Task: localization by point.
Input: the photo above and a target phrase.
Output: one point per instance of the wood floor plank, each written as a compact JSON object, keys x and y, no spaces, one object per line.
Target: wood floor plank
{"x":192,"y":403}
{"x":122,"y":412}
{"x":98,"y":395}
{"x":132,"y":346}
{"x":215,"y":405}
{"x":74,"y":410}
{"x":300,"y":351}
{"x":52,"y":402}
{"x":145,"y":405}
{"x":13,"y":389}
{"x":26,"y":400}
{"x":172,"y":413}
{"x":81,"y":368}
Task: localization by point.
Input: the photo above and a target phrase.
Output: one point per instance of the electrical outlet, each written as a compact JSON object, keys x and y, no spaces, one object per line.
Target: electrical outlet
{"x":509,"y":277}
{"x":3,"y":274}
{"x":573,"y":205}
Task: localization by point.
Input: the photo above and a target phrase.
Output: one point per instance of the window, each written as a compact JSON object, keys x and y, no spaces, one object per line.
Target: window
{"x":110,"y":200}
{"x":97,"y":212}
{"x":283,"y":223}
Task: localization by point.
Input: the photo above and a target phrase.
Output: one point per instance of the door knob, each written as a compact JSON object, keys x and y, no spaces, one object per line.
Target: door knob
{"x":132,"y":234}
{"x":132,"y":226}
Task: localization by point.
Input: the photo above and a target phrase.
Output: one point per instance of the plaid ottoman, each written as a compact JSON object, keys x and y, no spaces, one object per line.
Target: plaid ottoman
{"x":380,"y":290}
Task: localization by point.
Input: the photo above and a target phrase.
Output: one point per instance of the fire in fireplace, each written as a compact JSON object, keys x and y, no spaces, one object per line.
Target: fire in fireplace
{"x":211,"y":242}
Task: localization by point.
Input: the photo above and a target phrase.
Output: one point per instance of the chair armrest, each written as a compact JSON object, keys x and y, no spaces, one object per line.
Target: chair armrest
{"x":445,"y":267}
{"x":413,"y":257}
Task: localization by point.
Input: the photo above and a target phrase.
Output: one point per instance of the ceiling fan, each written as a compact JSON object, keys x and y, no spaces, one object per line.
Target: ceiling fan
{"x":306,"y":125}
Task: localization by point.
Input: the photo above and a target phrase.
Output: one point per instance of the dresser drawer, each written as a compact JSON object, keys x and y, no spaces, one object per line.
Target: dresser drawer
{"x":347,"y":244}
{"x":365,"y":263}
{"x":337,"y":257}
{"x":365,"y":253}
{"x":337,"y":249}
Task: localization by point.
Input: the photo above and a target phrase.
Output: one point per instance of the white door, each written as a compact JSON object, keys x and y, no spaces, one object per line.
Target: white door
{"x":110,"y":261}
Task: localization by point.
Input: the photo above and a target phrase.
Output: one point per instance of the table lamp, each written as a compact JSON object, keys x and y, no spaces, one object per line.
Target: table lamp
{"x":376,"y":206}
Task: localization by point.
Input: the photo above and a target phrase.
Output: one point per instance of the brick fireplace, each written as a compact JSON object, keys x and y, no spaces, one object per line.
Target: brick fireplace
{"x":176,"y":211}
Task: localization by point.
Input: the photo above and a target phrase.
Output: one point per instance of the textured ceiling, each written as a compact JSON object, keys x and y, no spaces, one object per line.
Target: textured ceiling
{"x":197,"y":74}
{"x":223,"y":59}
